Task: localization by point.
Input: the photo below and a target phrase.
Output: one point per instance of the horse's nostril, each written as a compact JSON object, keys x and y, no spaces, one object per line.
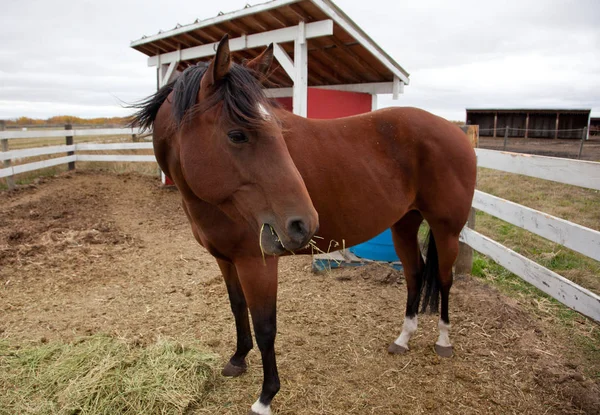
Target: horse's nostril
{"x":297,"y":229}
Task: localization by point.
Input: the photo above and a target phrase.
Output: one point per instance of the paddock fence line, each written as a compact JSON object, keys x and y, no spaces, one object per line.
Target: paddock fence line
{"x":70,"y":149}
{"x":584,"y":240}
{"x":579,"y":136}
{"x":578,"y":238}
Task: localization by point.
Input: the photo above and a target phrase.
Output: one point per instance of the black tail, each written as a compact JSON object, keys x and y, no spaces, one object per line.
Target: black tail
{"x":430,"y":288}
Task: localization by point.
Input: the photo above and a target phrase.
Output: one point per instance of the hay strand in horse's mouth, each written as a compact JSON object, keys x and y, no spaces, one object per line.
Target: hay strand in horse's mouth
{"x":262,"y":251}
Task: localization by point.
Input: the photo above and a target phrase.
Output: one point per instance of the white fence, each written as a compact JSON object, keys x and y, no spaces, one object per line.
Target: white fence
{"x":71,"y":150}
{"x":578,"y":238}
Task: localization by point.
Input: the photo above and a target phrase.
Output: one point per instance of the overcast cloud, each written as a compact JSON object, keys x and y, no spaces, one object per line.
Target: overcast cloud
{"x":73,"y":57}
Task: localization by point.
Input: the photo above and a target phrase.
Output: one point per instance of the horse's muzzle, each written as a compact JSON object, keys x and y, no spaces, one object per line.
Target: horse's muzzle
{"x":297,"y":235}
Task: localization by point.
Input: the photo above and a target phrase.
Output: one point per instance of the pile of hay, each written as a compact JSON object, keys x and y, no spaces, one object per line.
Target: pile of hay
{"x":103,"y":375}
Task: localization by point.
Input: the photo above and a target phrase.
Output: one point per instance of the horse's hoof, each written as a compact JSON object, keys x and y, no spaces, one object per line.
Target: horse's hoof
{"x":443,"y":351}
{"x":397,"y":349}
{"x":233,"y":371}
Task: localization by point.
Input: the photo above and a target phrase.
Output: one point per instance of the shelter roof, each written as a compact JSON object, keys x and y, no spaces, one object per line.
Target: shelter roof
{"x":344,"y":55}
{"x":531,"y":110}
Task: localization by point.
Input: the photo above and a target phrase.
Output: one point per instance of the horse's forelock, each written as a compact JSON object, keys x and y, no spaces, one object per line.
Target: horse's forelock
{"x":239,"y":92}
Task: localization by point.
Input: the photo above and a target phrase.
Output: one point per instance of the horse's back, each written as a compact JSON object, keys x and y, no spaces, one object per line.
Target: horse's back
{"x":386,"y":162}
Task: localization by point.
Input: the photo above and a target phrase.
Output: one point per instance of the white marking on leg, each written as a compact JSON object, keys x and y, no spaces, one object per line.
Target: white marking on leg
{"x":260,"y":408}
{"x":444,"y":338}
{"x":409,"y":327}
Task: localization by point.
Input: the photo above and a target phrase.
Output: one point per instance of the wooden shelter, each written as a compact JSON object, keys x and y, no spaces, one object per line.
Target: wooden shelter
{"x":530,"y":123}
{"x":315,"y":43}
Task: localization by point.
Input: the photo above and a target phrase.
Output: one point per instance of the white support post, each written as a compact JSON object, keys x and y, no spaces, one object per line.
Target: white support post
{"x":373,"y":102}
{"x":397,"y":88}
{"x":165,"y":74}
{"x":300,"y":99}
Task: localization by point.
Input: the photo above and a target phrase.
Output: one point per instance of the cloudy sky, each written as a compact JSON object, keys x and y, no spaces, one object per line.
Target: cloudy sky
{"x":72,"y":57}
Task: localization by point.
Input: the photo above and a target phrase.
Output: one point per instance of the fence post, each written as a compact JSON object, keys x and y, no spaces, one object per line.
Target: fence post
{"x":583,"y":138}
{"x":505,"y":138}
{"x":70,"y":143}
{"x":464,"y":261}
{"x":10,"y":180}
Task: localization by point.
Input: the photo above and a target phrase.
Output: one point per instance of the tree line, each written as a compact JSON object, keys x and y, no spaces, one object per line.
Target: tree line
{"x":68,"y":119}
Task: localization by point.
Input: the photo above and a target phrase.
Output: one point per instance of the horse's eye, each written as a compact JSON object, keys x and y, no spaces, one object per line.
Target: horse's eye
{"x":237,"y":137}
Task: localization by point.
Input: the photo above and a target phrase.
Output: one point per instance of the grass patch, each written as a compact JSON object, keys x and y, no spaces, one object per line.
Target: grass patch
{"x":103,"y":375}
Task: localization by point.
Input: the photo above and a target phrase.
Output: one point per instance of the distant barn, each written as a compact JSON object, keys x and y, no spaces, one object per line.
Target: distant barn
{"x":594,"y":126}
{"x":530,"y":123}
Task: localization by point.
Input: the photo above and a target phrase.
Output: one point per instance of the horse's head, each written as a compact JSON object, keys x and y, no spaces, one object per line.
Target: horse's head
{"x":233,"y":154}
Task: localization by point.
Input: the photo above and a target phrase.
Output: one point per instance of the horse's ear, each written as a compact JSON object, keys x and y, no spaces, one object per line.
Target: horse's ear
{"x":262,"y":62}
{"x":219,"y":67}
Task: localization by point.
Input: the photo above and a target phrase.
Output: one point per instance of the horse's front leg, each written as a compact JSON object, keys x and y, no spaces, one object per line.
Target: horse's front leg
{"x":259,"y":282}
{"x":237,"y":364}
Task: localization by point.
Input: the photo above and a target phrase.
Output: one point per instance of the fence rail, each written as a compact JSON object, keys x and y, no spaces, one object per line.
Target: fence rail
{"x":553,"y":284}
{"x":572,"y":172}
{"x":584,"y":240}
{"x":72,"y":151}
{"x":571,"y":235}
{"x":12,"y":135}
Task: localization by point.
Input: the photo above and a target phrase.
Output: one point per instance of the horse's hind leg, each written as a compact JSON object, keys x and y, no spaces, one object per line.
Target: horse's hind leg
{"x":237,"y":364}
{"x":446,"y":243}
{"x":406,"y":243}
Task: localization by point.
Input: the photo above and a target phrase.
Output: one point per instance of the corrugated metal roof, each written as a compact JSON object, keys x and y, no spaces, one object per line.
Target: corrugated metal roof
{"x":348,"y":56}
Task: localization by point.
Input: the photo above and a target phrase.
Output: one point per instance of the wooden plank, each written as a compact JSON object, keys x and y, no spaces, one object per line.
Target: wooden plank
{"x":40,"y":151}
{"x":62,"y":133}
{"x":113,"y":146}
{"x":214,"y":20}
{"x":22,"y":168}
{"x":558,"y":287}
{"x":573,"y":172}
{"x":288,"y":34}
{"x":106,"y":131}
{"x":576,"y":237}
{"x":115,"y":157}
{"x":32,"y":134}
{"x":32,"y":152}
{"x":367,"y":88}
{"x":361,"y":37}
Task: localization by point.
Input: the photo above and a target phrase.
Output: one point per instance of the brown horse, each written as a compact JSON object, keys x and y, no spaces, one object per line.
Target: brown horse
{"x":258,"y":182}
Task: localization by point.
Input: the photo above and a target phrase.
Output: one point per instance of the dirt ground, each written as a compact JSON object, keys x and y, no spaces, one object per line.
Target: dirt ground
{"x":546,"y":146}
{"x":89,"y":252}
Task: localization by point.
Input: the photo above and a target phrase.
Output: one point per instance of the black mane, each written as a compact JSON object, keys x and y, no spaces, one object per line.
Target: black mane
{"x":240,"y":93}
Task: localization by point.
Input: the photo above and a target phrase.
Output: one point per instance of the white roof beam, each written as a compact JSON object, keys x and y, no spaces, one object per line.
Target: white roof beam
{"x":366,"y":88}
{"x":287,"y":34}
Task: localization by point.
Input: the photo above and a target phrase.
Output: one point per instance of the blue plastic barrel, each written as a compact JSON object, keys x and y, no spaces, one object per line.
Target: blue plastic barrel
{"x":380,"y":248}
